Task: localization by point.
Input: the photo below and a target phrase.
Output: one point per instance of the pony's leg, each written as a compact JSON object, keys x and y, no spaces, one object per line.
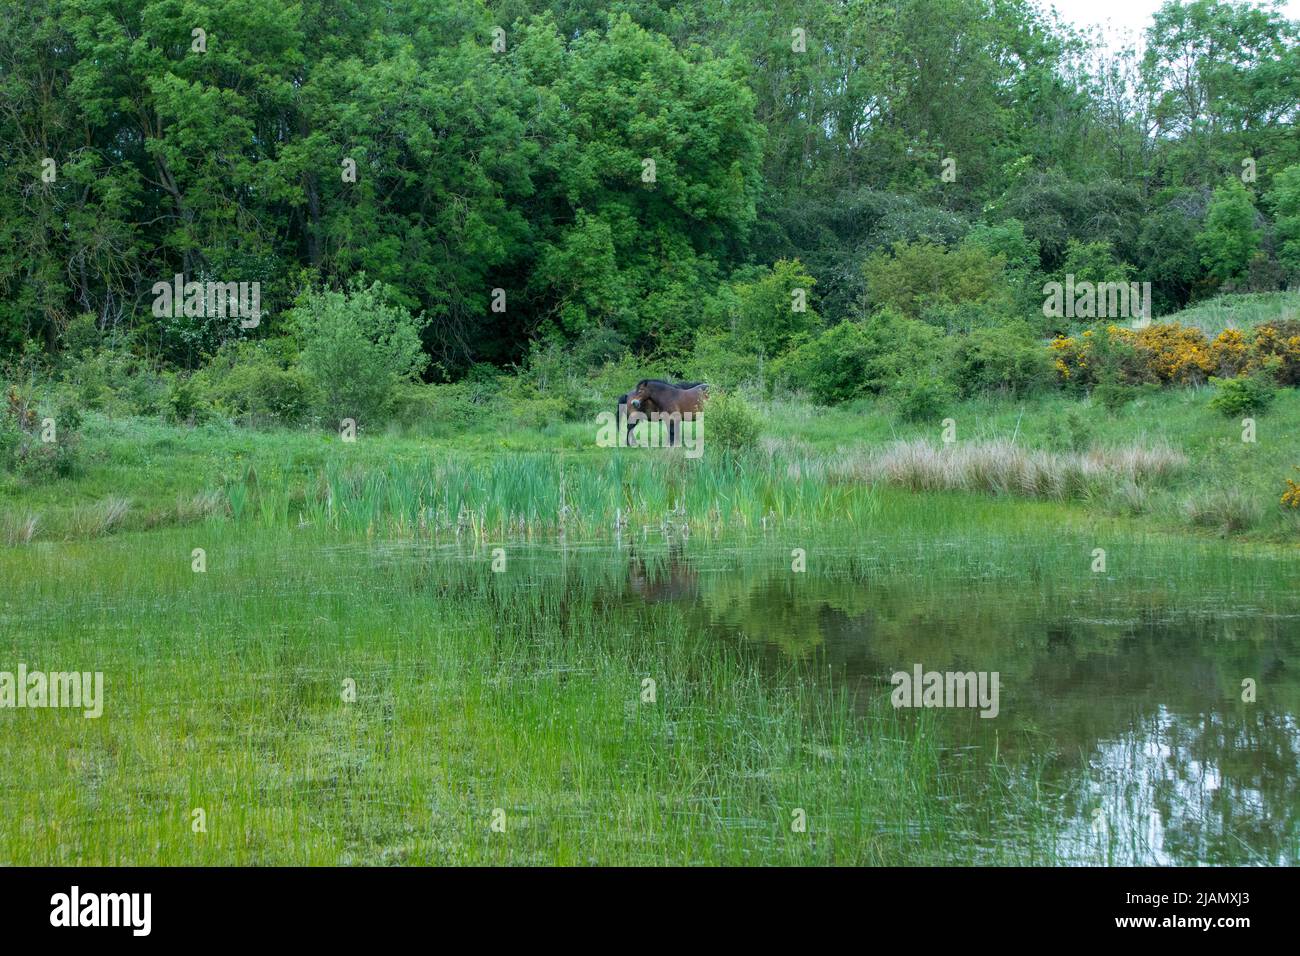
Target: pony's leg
{"x":672,"y":432}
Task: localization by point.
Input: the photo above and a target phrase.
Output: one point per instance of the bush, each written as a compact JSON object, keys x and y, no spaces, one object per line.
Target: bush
{"x":1113,"y":395}
{"x":1276,"y":348}
{"x":920,"y":397}
{"x":81,"y":335}
{"x":356,"y":350}
{"x":1007,"y":359}
{"x":765,"y":319}
{"x":855,"y":358}
{"x":34,"y":449}
{"x":1245,"y":394}
{"x":256,"y":382}
{"x":720,"y":360}
{"x":729,"y":423}
{"x":444,"y":409}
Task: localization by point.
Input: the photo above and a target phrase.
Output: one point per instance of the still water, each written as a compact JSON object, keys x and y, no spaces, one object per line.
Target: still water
{"x":1152,"y":710}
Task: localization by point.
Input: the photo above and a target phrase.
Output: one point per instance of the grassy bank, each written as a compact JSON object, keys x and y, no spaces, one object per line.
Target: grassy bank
{"x":814,"y":465}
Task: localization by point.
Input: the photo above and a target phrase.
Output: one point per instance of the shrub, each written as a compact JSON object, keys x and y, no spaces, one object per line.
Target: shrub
{"x":919,"y":397}
{"x":720,"y":360}
{"x":1113,"y":396}
{"x":356,"y":349}
{"x":82,"y":334}
{"x":1006,"y":359}
{"x":32,"y":449}
{"x":855,"y":358}
{"x":831,"y":367}
{"x":729,"y":423}
{"x":1245,"y":394}
{"x":1094,"y":262}
{"x":256,"y":382}
{"x":1230,"y":353}
{"x":1291,"y":497}
{"x":765,"y":318}
{"x":1163,"y":352}
{"x":1276,"y":347}
{"x":444,"y":409}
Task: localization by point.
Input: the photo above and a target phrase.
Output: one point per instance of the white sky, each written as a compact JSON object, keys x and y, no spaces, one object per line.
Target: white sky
{"x":1117,"y":17}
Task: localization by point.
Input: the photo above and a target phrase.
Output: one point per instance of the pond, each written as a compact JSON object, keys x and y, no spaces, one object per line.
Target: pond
{"x":658,"y":697}
{"x":1159,"y":714}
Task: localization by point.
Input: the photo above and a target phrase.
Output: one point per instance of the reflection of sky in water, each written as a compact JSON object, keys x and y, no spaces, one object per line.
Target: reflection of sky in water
{"x":1162,"y":804}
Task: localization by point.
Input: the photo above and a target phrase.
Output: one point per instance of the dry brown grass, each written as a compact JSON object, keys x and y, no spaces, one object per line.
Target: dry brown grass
{"x":1003,"y":467}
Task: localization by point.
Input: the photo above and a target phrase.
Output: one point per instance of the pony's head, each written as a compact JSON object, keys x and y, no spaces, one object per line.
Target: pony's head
{"x":640,"y":394}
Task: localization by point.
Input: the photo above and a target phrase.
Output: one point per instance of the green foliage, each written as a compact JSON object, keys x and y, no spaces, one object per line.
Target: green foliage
{"x":1230,"y":238}
{"x":82,"y":334}
{"x":1007,"y":359}
{"x":856,"y":358}
{"x":720,"y":359}
{"x":39,"y":443}
{"x":1285,"y":198}
{"x":1243,"y":395}
{"x":1022,"y":256}
{"x":729,"y":423}
{"x":1167,"y":250}
{"x":775,"y":309}
{"x":923,"y":274}
{"x":1094,"y":262}
{"x":255,"y":382}
{"x":921,"y":396}
{"x":356,"y":348}
{"x":482,"y":173}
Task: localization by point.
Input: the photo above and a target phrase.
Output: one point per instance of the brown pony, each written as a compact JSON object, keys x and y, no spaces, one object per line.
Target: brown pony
{"x":647,"y":407}
{"x":674,"y":402}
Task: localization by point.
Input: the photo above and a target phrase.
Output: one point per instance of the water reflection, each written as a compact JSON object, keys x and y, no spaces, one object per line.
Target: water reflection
{"x":1131,"y":711}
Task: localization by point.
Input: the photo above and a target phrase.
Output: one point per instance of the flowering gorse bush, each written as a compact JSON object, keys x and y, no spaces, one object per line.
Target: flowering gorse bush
{"x":1172,"y":354}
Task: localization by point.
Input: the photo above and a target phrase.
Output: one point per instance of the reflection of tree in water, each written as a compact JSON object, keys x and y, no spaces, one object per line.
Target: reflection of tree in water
{"x":1136,"y":703}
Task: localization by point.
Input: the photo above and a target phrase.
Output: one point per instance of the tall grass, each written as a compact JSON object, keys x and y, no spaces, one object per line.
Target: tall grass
{"x":530,"y":494}
{"x":1003,"y":467}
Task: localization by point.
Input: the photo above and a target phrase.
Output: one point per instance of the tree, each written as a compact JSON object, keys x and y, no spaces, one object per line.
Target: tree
{"x":1285,"y":199}
{"x":1230,"y":238}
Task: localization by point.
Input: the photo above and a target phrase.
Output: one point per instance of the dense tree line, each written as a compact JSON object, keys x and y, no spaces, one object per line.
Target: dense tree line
{"x":619,"y":175}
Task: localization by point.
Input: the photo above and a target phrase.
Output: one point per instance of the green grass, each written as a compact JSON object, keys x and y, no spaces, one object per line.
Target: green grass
{"x":1238,"y":311}
{"x":142,"y":474}
{"x":521,"y":691}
